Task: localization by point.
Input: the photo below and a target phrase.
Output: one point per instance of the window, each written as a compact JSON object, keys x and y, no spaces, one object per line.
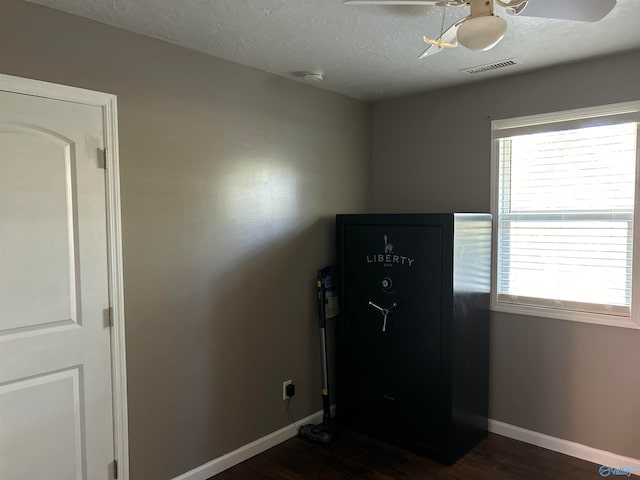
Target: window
{"x":564,"y":194}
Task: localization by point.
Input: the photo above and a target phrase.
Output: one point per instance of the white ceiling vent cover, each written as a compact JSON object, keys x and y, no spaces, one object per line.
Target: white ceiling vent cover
{"x":491,"y":66}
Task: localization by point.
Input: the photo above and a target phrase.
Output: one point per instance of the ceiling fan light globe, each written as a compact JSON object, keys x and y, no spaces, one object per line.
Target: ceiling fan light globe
{"x":482,"y":33}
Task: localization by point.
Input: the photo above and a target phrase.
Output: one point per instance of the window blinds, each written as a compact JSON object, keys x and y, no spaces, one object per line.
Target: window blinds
{"x":565,"y":218}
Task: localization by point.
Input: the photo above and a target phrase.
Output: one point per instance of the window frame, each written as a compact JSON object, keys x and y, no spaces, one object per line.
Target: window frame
{"x":562,"y":120}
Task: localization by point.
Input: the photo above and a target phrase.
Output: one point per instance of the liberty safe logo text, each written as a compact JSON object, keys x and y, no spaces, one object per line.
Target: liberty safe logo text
{"x":390,"y":258}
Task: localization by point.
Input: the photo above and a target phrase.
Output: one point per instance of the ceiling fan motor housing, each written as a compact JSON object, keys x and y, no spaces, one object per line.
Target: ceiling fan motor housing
{"x":481,"y":8}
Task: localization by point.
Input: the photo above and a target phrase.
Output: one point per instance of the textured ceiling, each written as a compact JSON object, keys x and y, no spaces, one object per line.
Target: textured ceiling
{"x":366,"y":52}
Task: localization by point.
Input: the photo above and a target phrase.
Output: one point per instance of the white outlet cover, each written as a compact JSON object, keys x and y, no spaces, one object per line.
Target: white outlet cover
{"x":284,"y":389}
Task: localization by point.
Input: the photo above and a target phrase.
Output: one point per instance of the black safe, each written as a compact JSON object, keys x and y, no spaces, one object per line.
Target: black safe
{"x":413,"y":334}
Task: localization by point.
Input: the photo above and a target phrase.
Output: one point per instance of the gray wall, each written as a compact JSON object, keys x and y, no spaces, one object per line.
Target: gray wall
{"x":230,"y":180}
{"x":431,"y":153}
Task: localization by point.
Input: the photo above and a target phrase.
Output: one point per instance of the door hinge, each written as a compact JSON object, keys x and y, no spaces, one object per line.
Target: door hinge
{"x":102,"y":155}
{"x":111,"y":317}
{"x":115,"y":469}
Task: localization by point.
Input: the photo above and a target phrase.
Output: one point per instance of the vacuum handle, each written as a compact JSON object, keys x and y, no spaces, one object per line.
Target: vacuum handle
{"x":322,"y":307}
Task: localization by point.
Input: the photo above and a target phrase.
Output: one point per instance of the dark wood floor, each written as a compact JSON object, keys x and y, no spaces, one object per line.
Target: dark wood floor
{"x":355,"y":456}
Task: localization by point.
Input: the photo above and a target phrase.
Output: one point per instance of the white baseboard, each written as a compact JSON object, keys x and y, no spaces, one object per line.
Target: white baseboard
{"x":245,"y":452}
{"x":590,"y":454}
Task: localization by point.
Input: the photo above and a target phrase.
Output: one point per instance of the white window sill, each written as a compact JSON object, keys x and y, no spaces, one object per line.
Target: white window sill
{"x":559,"y":314}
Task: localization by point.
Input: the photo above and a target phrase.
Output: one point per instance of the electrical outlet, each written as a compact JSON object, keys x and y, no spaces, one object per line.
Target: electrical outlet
{"x":284,"y":389}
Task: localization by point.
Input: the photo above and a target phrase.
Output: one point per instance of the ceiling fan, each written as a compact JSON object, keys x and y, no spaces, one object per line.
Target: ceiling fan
{"x":482,"y":29}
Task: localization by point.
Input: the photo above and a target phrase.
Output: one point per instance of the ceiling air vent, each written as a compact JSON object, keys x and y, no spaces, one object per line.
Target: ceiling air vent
{"x":491,"y":66}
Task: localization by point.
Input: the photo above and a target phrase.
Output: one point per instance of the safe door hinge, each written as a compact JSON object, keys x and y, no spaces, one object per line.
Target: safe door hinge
{"x":115,"y":469}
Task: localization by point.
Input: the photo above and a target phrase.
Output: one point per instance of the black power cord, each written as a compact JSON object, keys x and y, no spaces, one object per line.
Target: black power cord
{"x":289,"y":412}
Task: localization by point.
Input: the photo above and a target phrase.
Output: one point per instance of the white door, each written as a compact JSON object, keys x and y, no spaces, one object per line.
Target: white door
{"x":56,"y":417}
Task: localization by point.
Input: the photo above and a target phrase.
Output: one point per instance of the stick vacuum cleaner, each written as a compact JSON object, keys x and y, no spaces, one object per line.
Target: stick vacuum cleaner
{"x":327,"y":308}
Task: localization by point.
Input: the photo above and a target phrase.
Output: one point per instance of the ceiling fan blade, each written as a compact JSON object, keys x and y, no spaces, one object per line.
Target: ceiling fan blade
{"x":431,"y":50}
{"x":581,"y":10}
{"x":392,"y":2}
{"x":449,"y":36}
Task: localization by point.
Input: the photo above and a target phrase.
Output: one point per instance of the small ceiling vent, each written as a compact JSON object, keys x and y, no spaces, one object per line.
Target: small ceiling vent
{"x":492,"y":66}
